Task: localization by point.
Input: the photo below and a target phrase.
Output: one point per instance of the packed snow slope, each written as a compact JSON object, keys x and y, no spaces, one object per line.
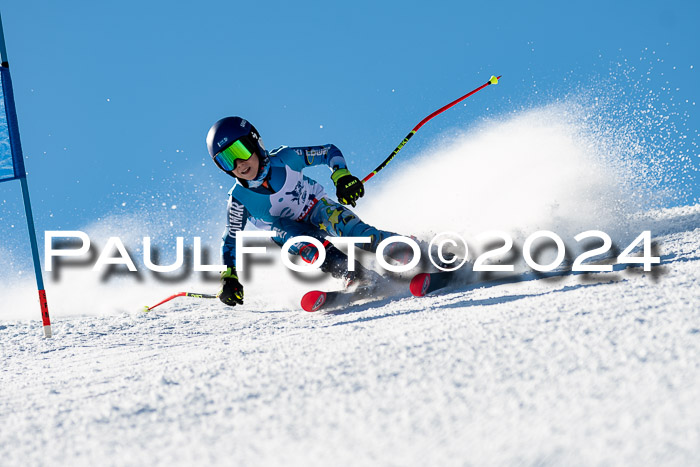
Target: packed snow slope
{"x":601,"y":368}
{"x":580,"y":370}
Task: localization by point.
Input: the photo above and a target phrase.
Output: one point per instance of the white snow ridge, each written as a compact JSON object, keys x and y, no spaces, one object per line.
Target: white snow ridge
{"x":601,"y":369}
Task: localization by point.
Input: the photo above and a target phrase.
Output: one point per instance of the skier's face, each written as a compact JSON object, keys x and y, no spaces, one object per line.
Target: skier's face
{"x":247,"y":170}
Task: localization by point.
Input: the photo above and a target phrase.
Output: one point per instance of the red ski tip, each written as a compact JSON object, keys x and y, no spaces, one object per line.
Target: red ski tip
{"x":420,"y":284}
{"x":312,"y":301}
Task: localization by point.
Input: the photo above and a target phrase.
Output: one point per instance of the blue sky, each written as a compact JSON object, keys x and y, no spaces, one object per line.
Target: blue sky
{"x":115,"y":98}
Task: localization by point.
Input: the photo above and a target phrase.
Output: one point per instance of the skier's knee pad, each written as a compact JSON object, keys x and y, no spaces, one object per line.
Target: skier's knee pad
{"x":309,"y":252}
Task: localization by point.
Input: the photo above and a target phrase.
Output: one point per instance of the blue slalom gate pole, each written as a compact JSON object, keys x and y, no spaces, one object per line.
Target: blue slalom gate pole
{"x":3,"y":50}
{"x":46,"y":321}
{"x":21,"y":174}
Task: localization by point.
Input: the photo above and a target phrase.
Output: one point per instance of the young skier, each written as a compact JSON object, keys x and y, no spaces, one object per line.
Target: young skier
{"x":272,"y":193}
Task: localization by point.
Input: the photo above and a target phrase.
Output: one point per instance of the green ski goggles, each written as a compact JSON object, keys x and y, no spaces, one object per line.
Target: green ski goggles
{"x":227,"y":158}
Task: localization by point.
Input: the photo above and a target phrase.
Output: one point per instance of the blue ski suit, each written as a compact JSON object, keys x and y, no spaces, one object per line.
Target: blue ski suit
{"x":291,"y":204}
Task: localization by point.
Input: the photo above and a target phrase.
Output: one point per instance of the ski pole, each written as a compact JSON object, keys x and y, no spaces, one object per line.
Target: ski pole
{"x":492,"y":80}
{"x":181,"y":294}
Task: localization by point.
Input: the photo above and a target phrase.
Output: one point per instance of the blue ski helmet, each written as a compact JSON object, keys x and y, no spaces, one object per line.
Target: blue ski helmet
{"x":233,"y":138}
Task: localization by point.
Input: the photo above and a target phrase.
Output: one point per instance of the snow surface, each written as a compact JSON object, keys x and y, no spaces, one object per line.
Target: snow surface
{"x":580,"y":370}
{"x":576,"y":370}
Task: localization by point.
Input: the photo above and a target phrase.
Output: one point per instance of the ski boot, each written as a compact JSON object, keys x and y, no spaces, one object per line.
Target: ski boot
{"x":336,"y":264}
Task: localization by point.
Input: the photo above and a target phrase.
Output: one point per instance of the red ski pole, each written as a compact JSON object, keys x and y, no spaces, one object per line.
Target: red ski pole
{"x":181,"y":294}
{"x":493,"y":80}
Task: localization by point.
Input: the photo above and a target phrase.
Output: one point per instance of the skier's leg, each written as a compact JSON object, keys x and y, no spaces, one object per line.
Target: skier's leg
{"x":336,"y":262}
{"x":339,"y":221}
{"x":287,"y":229}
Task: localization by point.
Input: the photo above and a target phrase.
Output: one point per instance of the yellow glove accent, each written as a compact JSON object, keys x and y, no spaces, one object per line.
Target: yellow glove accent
{"x":339,"y":173}
{"x":229,"y":273}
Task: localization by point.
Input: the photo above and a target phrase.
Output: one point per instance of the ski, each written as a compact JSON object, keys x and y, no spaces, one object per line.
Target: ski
{"x":425,"y":282}
{"x":317,"y":299}
{"x":421,"y":285}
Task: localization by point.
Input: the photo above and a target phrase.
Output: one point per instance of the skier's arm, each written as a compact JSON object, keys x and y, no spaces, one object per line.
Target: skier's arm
{"x":348,"y":187}
{"x":232,"y":291}
{"x":308,"y":156}
{"x":236,"y":219}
